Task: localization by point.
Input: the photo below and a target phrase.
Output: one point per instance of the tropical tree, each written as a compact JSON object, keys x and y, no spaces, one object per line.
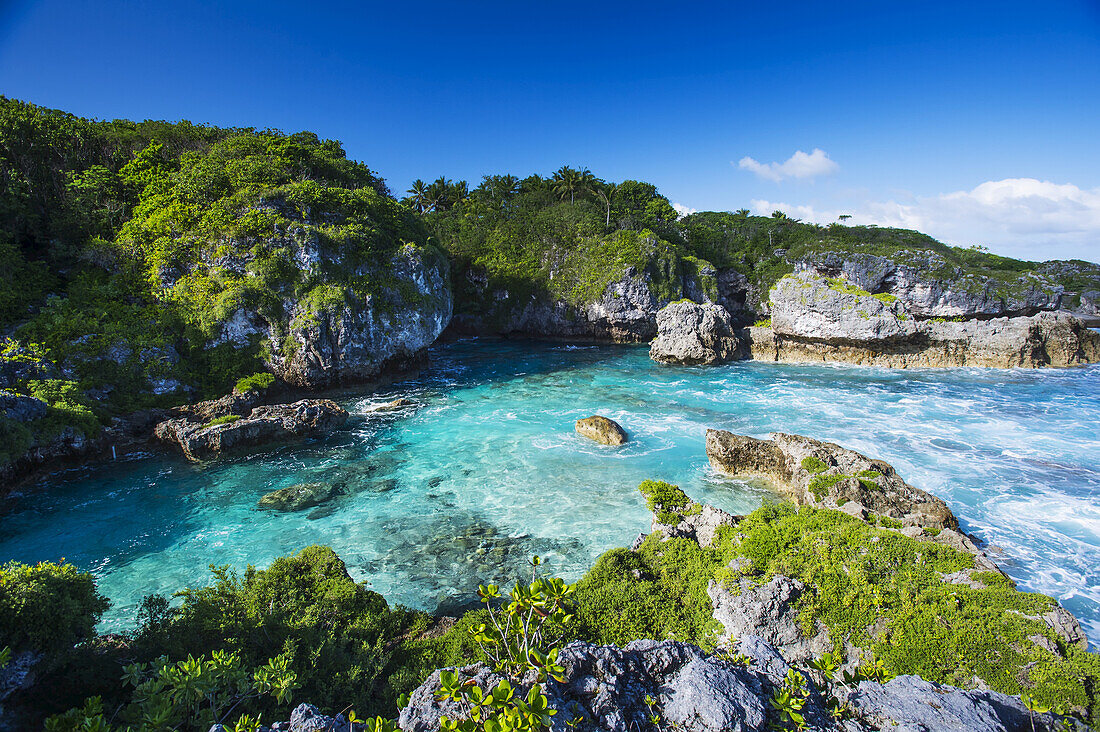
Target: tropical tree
{"x":606,"y":193}
{"x":572,"y":182}
{"x":742,"y":213}
{"x":779,"y":215}
{"x":418,"y":195}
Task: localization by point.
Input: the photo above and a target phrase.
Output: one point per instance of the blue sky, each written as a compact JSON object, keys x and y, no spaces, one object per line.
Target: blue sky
{"x":976,"y":122}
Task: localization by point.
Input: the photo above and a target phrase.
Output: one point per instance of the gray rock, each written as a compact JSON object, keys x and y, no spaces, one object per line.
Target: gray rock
{"x":766,"y":612}
{"x":308,"y":718}
{"x":808,"y":306}
{"x":689,"y":333}
{"x":910,"y":704}
{"x":265,"y":425}
{"x":21,"y":408}
{"x":780,"y":458}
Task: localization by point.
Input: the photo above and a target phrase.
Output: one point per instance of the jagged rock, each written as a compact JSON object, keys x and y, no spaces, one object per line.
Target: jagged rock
{"x":768,"y":612}
{"x":601,"y":429}
{"x":264,"y":425}
{"x":698,"y":521}
{"x":806,"y":306}
{"x":605,"y":687}
{"x":358,"y":341}
{"x":911,"y":704}
{"x":780,"y":460}
{"x":298,"y":497}
{"x":929,"y":287}
{"x":689,"y":333}
{"x":816,"y":320}
{"x":308,"y":718}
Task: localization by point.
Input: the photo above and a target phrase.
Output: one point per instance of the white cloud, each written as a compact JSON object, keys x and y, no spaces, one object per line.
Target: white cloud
{"x":682,"y":210}
{"x":1019,"y":217}
{"x":800,"y":165}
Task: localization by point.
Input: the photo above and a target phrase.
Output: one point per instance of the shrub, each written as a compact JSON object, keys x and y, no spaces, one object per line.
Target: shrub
{"x":814,"y":465}
{"x":47,"y":607}
{"x":224,"y":419}
{"x":256,"y":382}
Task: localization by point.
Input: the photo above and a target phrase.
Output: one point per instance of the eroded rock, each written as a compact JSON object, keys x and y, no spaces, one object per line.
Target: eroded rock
{"x":298,"y":497}
{"x":814,"y":473}
{"x":689,"y":333}
{"x":264,"y":425}
{"x":601,"y":429}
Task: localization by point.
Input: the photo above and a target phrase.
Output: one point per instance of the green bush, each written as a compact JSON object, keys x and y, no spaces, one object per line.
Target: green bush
{"x":814,"y":465}
{"x":47,"y":607}
{"x":224,"y":419}
{"x":256,"y":382}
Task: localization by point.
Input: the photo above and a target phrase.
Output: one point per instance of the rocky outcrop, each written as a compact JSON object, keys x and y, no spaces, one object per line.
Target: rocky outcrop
{"x":601,"y":429}
{"x":366,"y":334}
{"x":767,"y":611}
{"x":622,"y":689}
{"x":814,"y":473}
{"x":264,"y":425}
{"x":931,"y":287}
{"x":815,"y":319}
{"x":692,"y":334}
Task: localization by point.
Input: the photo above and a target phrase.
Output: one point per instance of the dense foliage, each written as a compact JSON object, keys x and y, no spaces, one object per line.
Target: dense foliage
{"x":46,"y":608}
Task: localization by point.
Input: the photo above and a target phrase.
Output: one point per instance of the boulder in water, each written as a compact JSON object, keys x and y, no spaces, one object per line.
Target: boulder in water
{"x":689,"y":333}
{"x":298,"y":497}
{"x":601,"y":429}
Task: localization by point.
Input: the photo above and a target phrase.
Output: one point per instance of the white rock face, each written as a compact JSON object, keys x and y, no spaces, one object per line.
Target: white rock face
{"x":690,"y":333}
{"x":387,"y":327}
{"x":809,"y":306}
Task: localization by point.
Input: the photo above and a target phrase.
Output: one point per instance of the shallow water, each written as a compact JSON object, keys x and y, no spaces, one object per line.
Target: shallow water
{"x":487,"y":471}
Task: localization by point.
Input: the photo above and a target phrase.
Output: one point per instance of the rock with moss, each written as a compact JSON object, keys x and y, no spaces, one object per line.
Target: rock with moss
{"x":298,"y":497}
{"x":691,"y":334}
{"x":263,"y":426}
{"x":814,"y":473}
{"x":820,"y":319}
{"x":601,"y":429}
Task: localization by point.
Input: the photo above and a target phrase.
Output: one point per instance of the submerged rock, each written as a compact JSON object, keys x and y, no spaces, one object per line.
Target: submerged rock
{"x":601,"y":429}
{"x":298,"y":497}
{"x":264,"y":425}
{"x":690,"y":334}
{"x":398,"y":403}
{"x":815,"y":473}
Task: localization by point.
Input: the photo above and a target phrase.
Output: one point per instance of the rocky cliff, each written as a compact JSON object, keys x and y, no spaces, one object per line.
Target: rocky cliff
{"x":817,"y":318}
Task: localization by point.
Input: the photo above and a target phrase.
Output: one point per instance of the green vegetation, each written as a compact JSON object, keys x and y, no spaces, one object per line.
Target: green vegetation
{"x":256,"y":382}
{"x":47,"y":608}
{"x":814,"y":465}
{"x":224,"y":419}
{"x":668,"y":502}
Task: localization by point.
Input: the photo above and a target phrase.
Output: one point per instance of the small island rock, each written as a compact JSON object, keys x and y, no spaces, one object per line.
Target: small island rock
{"x":689,"y":333}
{"x":601,"y":429}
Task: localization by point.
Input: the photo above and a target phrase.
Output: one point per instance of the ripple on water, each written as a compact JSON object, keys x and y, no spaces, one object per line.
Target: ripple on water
{"x":487,"y":470}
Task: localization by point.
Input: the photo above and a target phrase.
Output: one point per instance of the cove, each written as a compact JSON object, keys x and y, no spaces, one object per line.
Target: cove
{"x":487,"y":471}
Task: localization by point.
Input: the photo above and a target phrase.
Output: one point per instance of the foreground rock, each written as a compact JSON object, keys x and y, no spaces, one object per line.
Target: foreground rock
{"x":264,"y":425}
{"x":601,"y":429}
{"x":814,"y":473}
{"x":818,"y":319}
{"x":606,"y":688}
{"x":689,"y":333}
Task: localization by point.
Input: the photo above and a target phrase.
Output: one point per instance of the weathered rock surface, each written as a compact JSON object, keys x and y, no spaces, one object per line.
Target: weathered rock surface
{"x":815,"y":319}
{"x":930,"y":287}
{"x":264,"y":425}
{"x":780,"y":460}
{"x":689,"y":333}
{"x":601,"y":429}
{"x":390,"y":328}
{"x":768,"y":612}
{"x":605,"y":688}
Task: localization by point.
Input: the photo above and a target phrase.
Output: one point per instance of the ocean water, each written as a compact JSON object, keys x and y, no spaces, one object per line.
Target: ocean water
{"x":486,"y":470}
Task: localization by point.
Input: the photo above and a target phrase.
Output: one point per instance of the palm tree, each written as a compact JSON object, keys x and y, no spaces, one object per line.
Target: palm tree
{"x":419,"y":195}
{"x":605,"y":192}
{"x":779,"y":215}
{"x":437,"y":194}
{"x":566,"y":181}
{"x":742,"y":213}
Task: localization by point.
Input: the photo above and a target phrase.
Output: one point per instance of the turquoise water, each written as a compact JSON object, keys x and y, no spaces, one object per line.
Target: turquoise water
{"x":487,"y":471}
